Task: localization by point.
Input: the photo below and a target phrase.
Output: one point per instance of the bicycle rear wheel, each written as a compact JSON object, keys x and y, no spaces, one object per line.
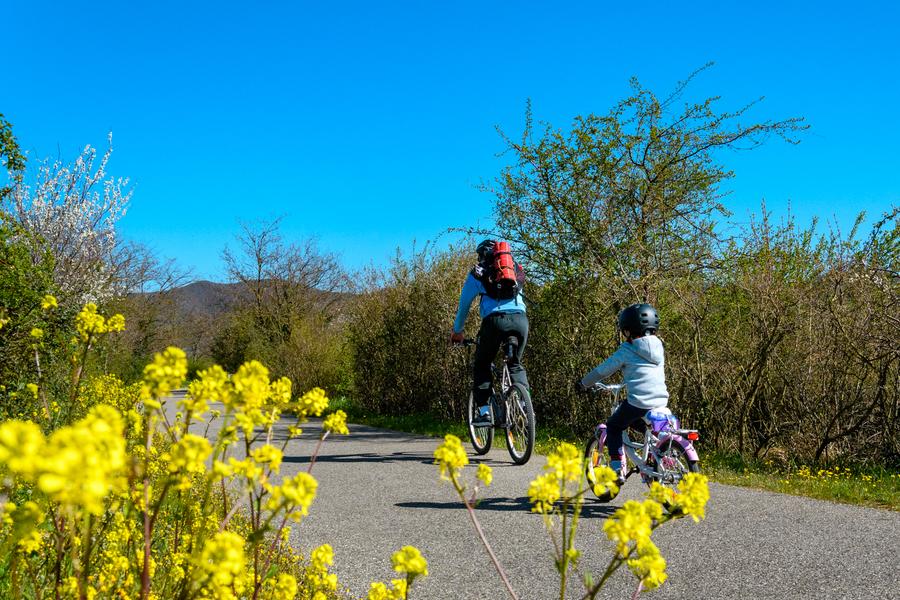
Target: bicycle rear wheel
{"x":596,"y":455}
{"x":481,"y":437}
{"x":520,"y":424}
{"x":673,"y":464}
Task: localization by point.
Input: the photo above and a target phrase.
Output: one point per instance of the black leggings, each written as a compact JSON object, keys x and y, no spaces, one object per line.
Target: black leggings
{"x":624,"y":416}
{"x":496,"y":328}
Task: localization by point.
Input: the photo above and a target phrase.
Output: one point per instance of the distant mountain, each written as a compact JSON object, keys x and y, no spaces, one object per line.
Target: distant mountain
{"x":205,"y":298}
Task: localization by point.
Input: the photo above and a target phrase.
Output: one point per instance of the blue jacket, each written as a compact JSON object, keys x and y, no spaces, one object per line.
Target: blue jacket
{"x":642,"y":362}
{"x":487,"y":305}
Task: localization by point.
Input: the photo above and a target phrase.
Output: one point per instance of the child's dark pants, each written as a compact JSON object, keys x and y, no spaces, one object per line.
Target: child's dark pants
{"x":624,"y":416}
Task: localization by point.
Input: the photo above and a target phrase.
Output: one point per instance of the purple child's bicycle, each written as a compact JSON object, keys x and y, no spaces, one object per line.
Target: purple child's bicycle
{"x":663,"y":452}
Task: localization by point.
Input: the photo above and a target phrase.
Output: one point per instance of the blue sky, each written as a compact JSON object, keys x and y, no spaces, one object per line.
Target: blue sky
{"x":369,"y":125}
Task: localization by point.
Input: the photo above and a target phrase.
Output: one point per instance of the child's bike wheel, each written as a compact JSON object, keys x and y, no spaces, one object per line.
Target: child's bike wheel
{"x":674,"y":464}
{"x":520,"y":424}
{"x":481,"y":437}
{"x":596,"y":456}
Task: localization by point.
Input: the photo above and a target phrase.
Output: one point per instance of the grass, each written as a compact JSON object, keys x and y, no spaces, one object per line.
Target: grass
{"x":848,"y":484}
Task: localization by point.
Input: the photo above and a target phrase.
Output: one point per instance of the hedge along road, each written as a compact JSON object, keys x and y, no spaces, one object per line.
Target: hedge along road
{"x":379,"y":490}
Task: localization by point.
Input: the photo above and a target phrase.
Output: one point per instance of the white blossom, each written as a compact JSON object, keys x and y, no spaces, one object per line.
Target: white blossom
{"x":72,"y":210}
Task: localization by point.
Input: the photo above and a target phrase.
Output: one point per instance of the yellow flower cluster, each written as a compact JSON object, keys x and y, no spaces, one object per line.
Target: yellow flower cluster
{"x":211,"y":385}
{"x":188,"y":457}
{"x":485,"y":474}
{"x":410,"y":561}
{"x":566,"y":462}
{"x":269,"y":455}
{"x":89,"y":323}
{"x":407,"y":561}
{"x":296,"y":494}
{"x":336,"y":423}
{"x":77,"y":466}
{"x":543,"y":492}
{"x":284,"y":587}
{"x":450,"y":457}
{"x":49,"y":302}
{"x":220,"y":568}
{"x":692,"y":496}
{"x":317,"y":575}
{"x":380,"y":591}
{"x":22,"y":523}
{"x":564,"y":465}
{"x":165,"y":373}
{"x":649,"y":566}
{"x":312,"y":403}
{"x":632,"y":523}
{"x":630,"y":528}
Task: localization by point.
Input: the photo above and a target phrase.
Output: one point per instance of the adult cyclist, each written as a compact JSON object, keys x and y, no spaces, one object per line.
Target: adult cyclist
{"x":501,"y":318}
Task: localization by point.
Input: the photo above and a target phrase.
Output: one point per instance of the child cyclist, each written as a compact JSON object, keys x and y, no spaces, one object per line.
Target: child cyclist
{"x":641,"y":359}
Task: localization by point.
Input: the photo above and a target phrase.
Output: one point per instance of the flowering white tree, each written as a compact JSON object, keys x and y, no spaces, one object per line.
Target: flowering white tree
{"x":72,"y":210}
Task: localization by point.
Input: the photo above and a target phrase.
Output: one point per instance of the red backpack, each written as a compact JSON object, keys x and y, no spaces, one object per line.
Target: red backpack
{"x":502,"y":277}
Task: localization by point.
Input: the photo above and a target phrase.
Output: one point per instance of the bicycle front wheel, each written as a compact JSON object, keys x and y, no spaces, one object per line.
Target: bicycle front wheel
{"x":520,"y":420}
{"x":481,"y":437}
{"x":596,"y":455}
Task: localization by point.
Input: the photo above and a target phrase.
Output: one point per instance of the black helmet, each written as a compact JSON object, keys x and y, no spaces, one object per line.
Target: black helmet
{"x":485,"y":249}
{"x":638,"y":319}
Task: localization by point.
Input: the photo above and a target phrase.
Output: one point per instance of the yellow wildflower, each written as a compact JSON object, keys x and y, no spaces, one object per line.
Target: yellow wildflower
{"x":603,"y":479}
{"x":632,"y":523}
{"x":296,"y":493}
{"x":282,"y":588}
{"x":280,"y":391}
{"x":188,"y":456}
{"x":166,"y":372}
{"x":336,"y":422}
{"x":312,"y":403}
{"x":21,"y":448}
{"x":33,"y":388}
{"x":543,"y":492}
{"x":649,"y":566}
{"x":693,"y":494}
{"x":566,"y":461}
{"x":3,"y":322}
{"x":660,"y":493}
{"x":221,"y":565}
{"x":251,"y":385}
{"x":84,"y":462}
{"x":48,"y":302}
{"x":89,"y":323}
{"x":450,"y":457}
{"x":268,"y":454}
{"x":409,"y":560}
{"x":115,"y":323}
{"x":37,"y":333}
{"x":210,"y":386}
{"x":485,"y":474}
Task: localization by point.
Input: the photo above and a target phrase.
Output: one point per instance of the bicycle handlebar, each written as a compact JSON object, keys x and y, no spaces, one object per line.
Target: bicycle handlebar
{"x":612,"y":388}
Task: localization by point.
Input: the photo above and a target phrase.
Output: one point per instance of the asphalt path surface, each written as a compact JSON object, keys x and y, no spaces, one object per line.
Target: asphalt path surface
{"x":379,"y":490}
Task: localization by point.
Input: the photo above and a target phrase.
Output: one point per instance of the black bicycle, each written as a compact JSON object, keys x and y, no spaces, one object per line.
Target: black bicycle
{"x":509,"y":409}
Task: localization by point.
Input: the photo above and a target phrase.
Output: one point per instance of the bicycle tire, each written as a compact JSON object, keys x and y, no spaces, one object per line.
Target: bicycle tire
{"x":596,"y":455}
{"x":675,"y":461}
{"x":520,"y":424}
{"x":481,"y":437}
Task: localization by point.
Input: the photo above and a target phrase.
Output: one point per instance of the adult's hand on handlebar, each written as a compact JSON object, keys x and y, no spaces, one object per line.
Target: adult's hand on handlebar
{"x":456,"y":338}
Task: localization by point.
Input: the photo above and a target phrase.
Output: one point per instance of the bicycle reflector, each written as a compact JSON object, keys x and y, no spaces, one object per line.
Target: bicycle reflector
{"x":693,"y":436}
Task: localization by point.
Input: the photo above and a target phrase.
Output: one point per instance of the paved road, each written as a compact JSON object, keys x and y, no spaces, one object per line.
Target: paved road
{"x":379,"y":490}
